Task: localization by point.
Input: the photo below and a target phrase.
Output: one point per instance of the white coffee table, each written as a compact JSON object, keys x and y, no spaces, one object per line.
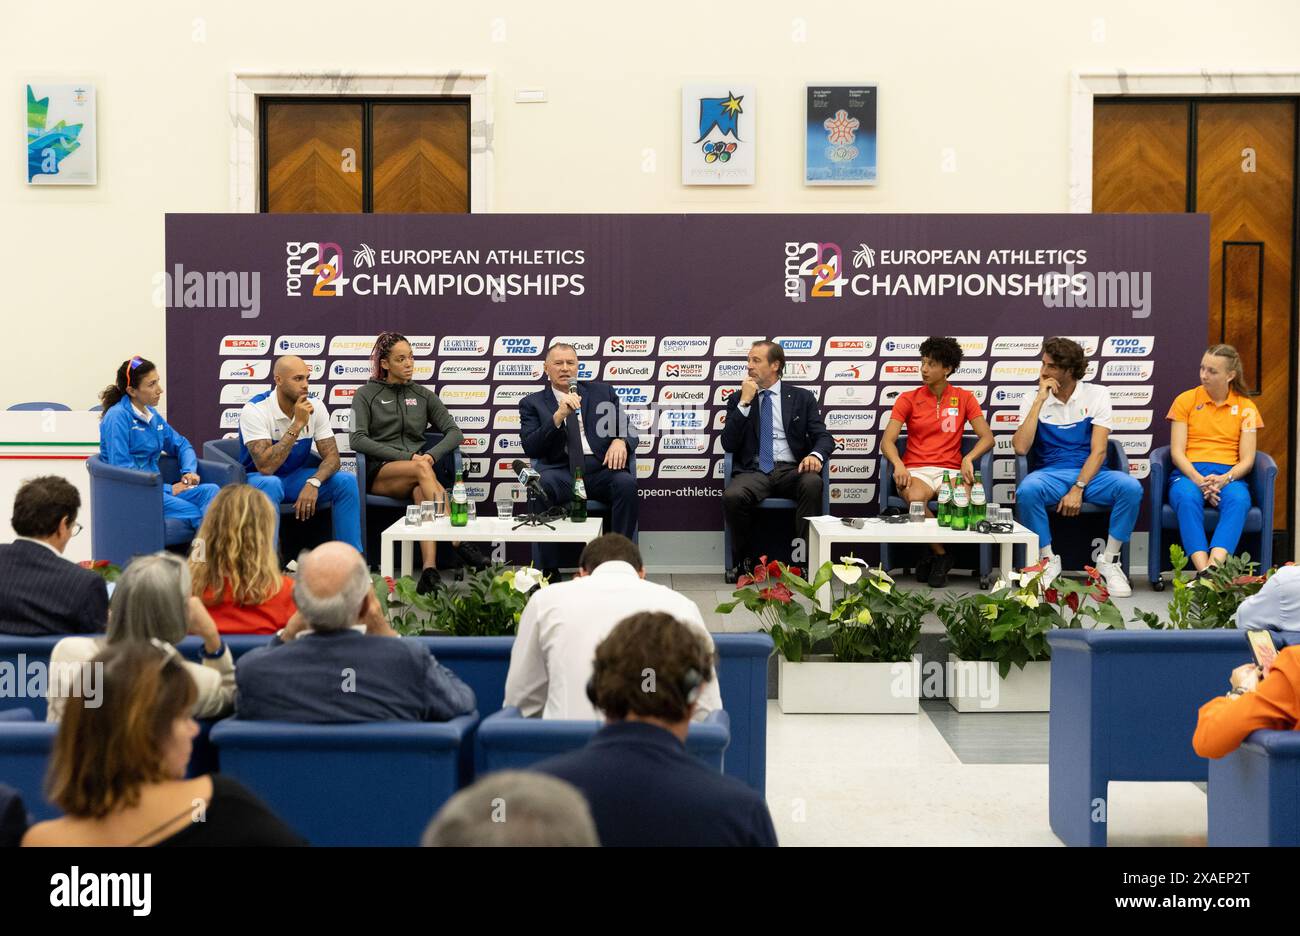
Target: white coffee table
{"x":825,"y":532}
{"x":478,"y":530}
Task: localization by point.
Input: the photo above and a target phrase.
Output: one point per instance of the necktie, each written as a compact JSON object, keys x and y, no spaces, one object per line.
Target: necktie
{"x":765,"y":460}
{"x":574,"y":441}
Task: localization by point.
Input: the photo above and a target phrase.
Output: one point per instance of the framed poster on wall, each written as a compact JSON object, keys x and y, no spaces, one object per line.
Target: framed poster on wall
{"x":61,"y":134}
{"x":840,"y":134}
{"x":718,"y":134}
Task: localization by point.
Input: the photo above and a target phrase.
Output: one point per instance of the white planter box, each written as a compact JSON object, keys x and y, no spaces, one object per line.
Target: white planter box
{"x":974,"y":686}
{"x":822,"y":686}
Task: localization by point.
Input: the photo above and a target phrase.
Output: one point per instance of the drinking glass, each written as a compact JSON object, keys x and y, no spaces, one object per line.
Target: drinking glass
{"x":505,"y":507}
{"x":440,"y":508}
{"x":414,"y":515}
{"x":471,"y":510}
{"x":916,"y":512}
{"x":426,"y":510}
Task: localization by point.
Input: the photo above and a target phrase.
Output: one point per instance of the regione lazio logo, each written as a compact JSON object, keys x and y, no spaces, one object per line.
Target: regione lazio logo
{"x":245,"y":370}
{"x":734,"y":345}
{"x":300,"y":344}
{"x":851,"y":395}
{"x":853,"y":493}
{"x":314,"y":268}
{"x":243,"y":345}
{"x":242,"y":393}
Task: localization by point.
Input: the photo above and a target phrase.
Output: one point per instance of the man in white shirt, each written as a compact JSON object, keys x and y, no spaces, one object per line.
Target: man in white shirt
{"x":562,"y":624}
{"x":288,"y":449}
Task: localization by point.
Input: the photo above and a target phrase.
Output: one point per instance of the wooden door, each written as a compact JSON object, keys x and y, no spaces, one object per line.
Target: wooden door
{"x":421,"y":157}
{"x":313,"y":157}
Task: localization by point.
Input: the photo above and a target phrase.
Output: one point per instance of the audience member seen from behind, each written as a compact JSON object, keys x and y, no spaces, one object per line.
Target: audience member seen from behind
{"x":133,"y":435}
{"x":1276,"y":606}
{"x":152,"y":601}
{"x":1212,"y":431}
{"x":550,"y":662}
{"x":235,"y":567}
{"x":513,"y":807}
{"x":641,"y":784}
{"x":40,"y":591}
{"x":118,"y":769}
{"x":339,"y":660}
{"x":1255,"y":700}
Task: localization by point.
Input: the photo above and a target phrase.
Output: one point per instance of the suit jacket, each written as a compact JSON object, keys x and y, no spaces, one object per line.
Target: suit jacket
{"x":348,"y":677}
{"x":602,"y":417}
{"x":645,"y":790}
{"x":42,"y":593}
{"x":804,"y":430}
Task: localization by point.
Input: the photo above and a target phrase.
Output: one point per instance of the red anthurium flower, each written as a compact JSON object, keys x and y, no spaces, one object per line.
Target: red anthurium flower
{"x":745,"y":580}
{"x":100,"y":564}
{"x":1038,"y":566}
{"x":1102,"y":594}
{"x":795,"y":570}
{"x":1052,"y":595}
{"x":777,"y":593}
{"x":773,"y":569}
{"x":1072,"y":600}
{"x":1092,"y":573}
{"x":1247,"y":579}
{"x":760,"y":573}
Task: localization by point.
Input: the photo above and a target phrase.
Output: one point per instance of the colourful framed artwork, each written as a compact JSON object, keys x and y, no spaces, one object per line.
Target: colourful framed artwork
{"x":840,"y":134}
{"x":61,"y":134}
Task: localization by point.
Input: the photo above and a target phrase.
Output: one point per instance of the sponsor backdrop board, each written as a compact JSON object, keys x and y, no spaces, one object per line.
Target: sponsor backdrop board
{"x":664,"y":307}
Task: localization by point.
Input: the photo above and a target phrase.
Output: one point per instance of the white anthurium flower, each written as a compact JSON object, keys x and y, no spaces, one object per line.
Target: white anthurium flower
{"x":527,"y":578}
{"x":999,"y":585}
{"x":881,"y":573}
{"x":846,"y":573}
{"x":854,"y":560}
{"x":1028,"y":600}
{"x":877,"y":584}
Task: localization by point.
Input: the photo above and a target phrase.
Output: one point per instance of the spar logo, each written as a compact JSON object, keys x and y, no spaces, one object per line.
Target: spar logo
{"x":1013,"y":396}
{"x":698,"y":394}
{"x":684,"y":468}
{"x":508,"y":395}
{"x":341,"y":394}
{"x":853,"y":469}
{"x":851,"y":395}
{"x":1131,"y":396}
{"x":518,"y":370}
{"x":469,"y":418}
{"x":1127,"y":370}
{"x":855,"y":444}
{"x":506,"y":419}
{"x":504,"y":468}
{"x":910,"y":345}
{"x":850,"y":346}
{"x":971,"y":370}
{"x":300,"y":344}
{"x":628,"y":346}
{"x":800,"y":347}
{"x":475,"y":443}
{"x":465,"y":370}
{"x":245,"y":344}
{"x":632,"y":394}
{"x":350,"y":370}
{"x":463,"y":346}
{"x":688,"y":444}
{"x":722,"y":394}
{"x":1133,"y":444}
{"x":684,"y":370}
{"x":316,"y":369}
{"x":245,"y":370}
{"x":894,"y":371}
{"x":730,"y":370}
{"x":683,"y":346}
{"x":464,"y":394}
{"x":1128,"y":346}
{"x":734,"y":345}
{"x":516,"y":346}
{"x":1139,"y":467}
{"x":853,"y":493}
{"x":850,"y":371}
{"x":1005,"y":419}
{"x":801,"y":371}
{"x":583,"y":345}
{"x":587,"y":369}
{"x":683,"y":420}
{"x":851,"y":420}
{"x":242,"y":393}
{"x":1128,"y":419}
{"x":971,"y":346}
{"x":1087,"y":342}
{"x":1017,"y":345}
{"x":1017,"y":370}
{"x":629,"y":370}
{"x":351,"y":345}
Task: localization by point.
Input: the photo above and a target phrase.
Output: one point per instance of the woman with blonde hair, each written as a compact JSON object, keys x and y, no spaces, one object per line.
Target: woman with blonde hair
{"x":234,"y":565}
{"x":1212,"y":445}
{"x":118,"y":766}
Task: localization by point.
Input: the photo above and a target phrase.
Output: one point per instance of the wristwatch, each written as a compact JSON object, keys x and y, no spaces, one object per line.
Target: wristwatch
{"x":1081,"y":485}
{"x":1237,"y":691}
{"x":217,"y":655}
{"x":314,"y":482}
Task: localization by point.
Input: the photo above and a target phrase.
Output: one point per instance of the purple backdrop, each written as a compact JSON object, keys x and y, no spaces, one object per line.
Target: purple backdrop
{"x":668,"y":304}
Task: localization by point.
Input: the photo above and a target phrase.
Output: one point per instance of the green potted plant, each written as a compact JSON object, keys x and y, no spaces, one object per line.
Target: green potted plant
{"x":999,"y":658}
{"x":1210,"y":599}
{"x":487,"y":604}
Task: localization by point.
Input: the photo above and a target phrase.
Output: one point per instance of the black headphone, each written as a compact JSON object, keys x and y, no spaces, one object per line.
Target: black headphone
{"x":989,"y":526}
{"x":894,"y":515}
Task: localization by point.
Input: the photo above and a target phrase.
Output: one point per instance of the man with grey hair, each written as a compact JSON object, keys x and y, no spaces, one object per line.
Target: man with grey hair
{"x":513,"y":807}
{"x":339,"y":660}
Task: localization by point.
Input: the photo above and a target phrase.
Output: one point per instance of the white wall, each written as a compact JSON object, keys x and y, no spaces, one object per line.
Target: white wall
{"x":988,"y":80}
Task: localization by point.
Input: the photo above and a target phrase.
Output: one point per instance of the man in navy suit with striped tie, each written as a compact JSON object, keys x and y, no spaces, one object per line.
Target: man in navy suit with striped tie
{"x":778,"y":449}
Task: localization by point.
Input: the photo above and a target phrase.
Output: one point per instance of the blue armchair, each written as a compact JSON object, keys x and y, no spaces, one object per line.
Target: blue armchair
{"x":1253,"y":795}
{"x":888,"y":497}
{"x":1116,"y":460}
{"x":768,"y":503}
{"x":377,"y":783}
{"x":390,"y":504}
{"x":226,"y":452}
{"x":1257,"y":534}
{"x":126,"y":507}
{"x":38,"y":406}
{"x":25,"y":747}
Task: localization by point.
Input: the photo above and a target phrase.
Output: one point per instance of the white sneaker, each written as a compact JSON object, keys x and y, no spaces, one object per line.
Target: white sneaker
{"x":1051,"y":571}
{"x":1116,"y":583}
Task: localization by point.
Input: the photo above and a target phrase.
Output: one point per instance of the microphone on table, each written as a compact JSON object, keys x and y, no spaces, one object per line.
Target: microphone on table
{"x":528,"y":477}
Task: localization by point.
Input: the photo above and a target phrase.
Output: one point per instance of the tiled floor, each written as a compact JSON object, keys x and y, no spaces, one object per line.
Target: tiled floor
{"x":935,"y":778}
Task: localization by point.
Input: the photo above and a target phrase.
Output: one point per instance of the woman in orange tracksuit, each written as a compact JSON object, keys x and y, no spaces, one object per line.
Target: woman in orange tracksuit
{"x":1254,"y":702}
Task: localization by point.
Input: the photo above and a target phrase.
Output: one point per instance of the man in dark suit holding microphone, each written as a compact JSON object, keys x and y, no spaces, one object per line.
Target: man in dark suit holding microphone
{"x":570,"y":425}
{"x":778,"y":448}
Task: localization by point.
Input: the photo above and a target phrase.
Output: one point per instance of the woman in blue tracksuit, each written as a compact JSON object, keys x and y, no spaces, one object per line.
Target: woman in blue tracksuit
{"x":133,"y":435}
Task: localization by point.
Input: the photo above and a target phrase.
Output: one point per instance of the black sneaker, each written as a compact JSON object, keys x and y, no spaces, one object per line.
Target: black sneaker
{"x":472,"y":556}
{"x":430,"y":580}
{"x":923,"y":569}
{"x":939,"y":569}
